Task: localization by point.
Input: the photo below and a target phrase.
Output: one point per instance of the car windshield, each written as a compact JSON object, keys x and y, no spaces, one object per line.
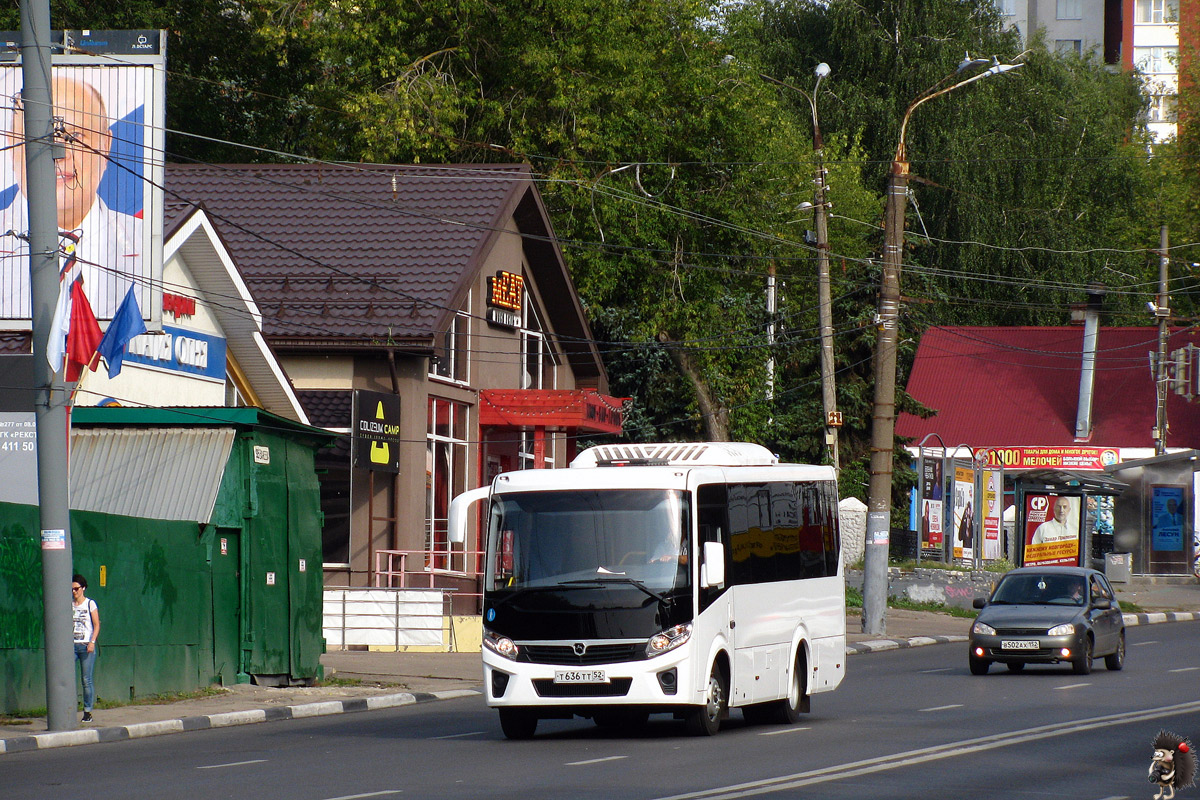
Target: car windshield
{"x":1038,"y":589}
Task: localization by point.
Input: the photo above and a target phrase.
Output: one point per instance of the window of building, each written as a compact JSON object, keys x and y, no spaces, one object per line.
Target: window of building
{"x":526,"y":457}
{"x":1007,"y":8}
{"x":1156,"y":12}
{"x":452,"y":360}
{"x":445,"y":473}
{"x":1162,"y":108}
{"x":538,"y":360}
{"x":1068,"y":46}
{"x":1070,"y":9}
{"x":1154,"y":60}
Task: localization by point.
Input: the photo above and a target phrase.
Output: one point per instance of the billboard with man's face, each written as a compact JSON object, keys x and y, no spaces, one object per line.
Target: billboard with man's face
{"x":108,"y":120}
{"x":1051,"y":530}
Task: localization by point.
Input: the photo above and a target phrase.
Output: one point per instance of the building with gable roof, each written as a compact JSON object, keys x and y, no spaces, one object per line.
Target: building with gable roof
{"x":440,"y":287}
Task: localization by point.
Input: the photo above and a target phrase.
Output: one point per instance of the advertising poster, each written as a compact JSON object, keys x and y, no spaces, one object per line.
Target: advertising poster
{"x":993,"y":510}
{"x":1166,"y":519}
{"x":1079,"y":458}
{"x":931,"y":506}
{"x":964,"y":513}
{"x":109,"y":199}
{"x":1051,"y":530}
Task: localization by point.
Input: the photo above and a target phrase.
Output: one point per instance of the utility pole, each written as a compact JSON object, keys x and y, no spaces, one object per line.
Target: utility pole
{"x":824,"y":295}
{"x":883,"y":423}
{"x":50,"y":393}
{"x":1163,"y":312}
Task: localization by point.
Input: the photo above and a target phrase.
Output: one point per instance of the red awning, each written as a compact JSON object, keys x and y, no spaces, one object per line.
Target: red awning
{"x":583,"y":410}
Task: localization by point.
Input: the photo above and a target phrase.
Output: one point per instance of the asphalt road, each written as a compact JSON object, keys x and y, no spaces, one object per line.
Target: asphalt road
{"x":905,"y":724}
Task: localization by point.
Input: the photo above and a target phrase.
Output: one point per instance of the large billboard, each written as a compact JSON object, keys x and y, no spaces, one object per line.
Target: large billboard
{"x":1051,"y":530}
{"x":108,"y":91}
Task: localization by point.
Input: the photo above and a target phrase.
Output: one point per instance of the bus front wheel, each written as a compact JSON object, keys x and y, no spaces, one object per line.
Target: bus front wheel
{"x":705,"y":720}
{"x":518,"y":723}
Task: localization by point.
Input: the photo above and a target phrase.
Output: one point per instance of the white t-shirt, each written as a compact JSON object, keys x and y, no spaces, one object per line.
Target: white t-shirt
{"x":1052,"y":531}
{"x":83,"y":619}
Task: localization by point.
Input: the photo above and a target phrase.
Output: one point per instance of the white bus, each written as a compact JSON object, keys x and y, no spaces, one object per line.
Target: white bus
{"x":660,"y":578}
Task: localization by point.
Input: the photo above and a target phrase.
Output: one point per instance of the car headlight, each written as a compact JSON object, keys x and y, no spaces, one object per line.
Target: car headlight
{"x":500,"y":645}
{"x":668,"y":640}
{"x":1066,"y":629}
{"x":983,"y":629}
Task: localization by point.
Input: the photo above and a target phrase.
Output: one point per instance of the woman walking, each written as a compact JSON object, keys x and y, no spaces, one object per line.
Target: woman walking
{"x":87,"y":630}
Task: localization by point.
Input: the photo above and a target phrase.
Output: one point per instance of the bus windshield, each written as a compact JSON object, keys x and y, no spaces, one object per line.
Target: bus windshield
{"x":579,"y":537}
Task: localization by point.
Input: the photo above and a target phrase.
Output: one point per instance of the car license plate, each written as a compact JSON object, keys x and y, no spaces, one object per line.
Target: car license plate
{"x":1018,"y":644}
{"x":580,"y":676}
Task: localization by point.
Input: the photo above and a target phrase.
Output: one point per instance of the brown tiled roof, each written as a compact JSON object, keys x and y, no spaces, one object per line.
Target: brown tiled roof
{"x":327,"y":408}
{"x":352,"y":254}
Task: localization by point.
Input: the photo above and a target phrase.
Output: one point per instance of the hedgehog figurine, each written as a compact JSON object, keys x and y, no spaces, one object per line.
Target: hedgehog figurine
{"x":1173,"y":765}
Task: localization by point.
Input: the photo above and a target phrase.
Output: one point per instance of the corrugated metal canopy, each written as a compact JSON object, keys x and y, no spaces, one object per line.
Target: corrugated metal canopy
{"x":160,"y":473}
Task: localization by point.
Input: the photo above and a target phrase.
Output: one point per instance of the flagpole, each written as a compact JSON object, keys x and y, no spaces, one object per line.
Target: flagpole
{"x":50,"y":393}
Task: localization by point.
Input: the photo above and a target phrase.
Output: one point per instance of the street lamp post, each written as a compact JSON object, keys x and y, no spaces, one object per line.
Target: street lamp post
{"x":883,"y":424}
{"x":824,"y":294}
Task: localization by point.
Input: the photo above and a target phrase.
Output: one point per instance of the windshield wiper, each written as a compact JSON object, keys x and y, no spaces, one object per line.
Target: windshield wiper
{"x":617,"y":579}
{"x":550,"y":587}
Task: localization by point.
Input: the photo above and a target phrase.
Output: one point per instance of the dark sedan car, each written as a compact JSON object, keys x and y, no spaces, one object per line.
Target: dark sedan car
{"x":1048,"y":615}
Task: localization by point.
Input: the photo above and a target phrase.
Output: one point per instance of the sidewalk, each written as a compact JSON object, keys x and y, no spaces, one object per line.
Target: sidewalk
{"x":396,"y":679}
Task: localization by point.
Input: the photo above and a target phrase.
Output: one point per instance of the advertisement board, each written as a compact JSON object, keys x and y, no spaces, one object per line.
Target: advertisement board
{"x":993,"y":511}
{"x":964,"y":513}
{"x":375,"y":436}
{"x":931,"y":505}
{"x":109,"y":111}
{"x":1166,"y":519}
{"x":1069,"y":458}
{"x":1051,"y":530}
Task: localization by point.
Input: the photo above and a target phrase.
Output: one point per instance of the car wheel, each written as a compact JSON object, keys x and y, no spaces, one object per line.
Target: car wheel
{"x":1015,"y":666}
{"x":705,"y":720}
{"x":1116,"y":660}
{"x":518,"y":723}
{"x":1083,"y":664}
{"x":979,"y":666}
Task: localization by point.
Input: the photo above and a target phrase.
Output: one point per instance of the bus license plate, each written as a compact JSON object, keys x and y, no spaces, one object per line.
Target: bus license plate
{"x":1018,"y":644}
{"x":580,"y":676}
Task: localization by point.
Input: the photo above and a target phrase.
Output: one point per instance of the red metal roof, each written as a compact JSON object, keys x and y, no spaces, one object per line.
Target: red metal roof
{"x":578,"y":409}
{"x":994,"y":386}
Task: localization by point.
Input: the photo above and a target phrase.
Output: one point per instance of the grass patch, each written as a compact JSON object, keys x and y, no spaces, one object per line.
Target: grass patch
{"x":854,"y":599}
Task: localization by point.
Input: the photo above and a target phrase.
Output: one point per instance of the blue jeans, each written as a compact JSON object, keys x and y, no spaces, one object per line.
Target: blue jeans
{"x":88,"y":665}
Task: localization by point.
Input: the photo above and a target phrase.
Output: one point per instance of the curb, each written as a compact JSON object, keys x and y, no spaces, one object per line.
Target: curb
{"x":879,"y":645}
{"x":47,"y":741}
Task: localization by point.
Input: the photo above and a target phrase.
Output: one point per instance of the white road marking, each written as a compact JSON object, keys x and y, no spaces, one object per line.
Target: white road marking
{"x":939,"y":669}
{"x":1184,"y":669}
{"x":783,"y":730}
{"x":1072,"y":686}
{"x":1142,"y":644}
{"x":594,"y":761}
{"x":368,"y":794}
{"x":233,"y":764}
{"x":455,"y":735}
{"x":964,"y":747}
{"x":943,"y":708}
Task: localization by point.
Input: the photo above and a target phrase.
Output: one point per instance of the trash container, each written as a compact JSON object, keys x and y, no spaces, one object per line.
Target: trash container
{"x":1117,"y":566}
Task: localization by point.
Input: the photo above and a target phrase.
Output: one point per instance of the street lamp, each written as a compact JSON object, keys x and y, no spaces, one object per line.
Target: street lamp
{"x":824,"y":300}
{"x":883,"y":427}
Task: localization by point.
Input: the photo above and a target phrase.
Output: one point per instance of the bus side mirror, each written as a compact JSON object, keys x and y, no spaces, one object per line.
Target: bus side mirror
{"x":456,"y":522}
{"x":712,"y":571}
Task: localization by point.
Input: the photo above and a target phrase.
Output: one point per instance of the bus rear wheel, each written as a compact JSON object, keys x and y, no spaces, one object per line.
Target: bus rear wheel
{"x":705,"y":720}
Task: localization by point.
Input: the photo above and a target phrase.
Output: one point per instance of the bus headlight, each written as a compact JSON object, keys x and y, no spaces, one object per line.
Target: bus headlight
{"x":500,"y":645}
{"x":668,"y":640}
